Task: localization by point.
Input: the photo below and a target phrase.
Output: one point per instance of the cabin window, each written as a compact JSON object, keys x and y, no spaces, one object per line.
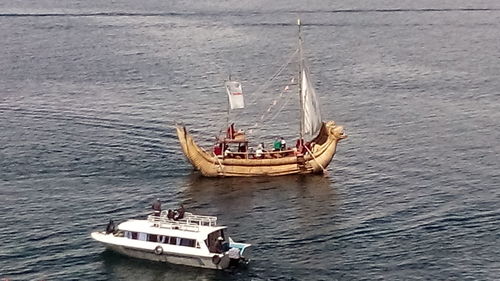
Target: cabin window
{"x":133,"y":235}
{"x":188,"y":242}
{"x":165,"y":239}
{"x":172,"y":240}
{"x":198,"y":245}
{"x":152,"y":238}
{"x":142,"y":236}
{"x":211,"y":240}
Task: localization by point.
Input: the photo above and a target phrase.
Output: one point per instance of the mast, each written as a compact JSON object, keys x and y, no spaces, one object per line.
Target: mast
{"x":228,"y":105}
{"x":299,"y":81}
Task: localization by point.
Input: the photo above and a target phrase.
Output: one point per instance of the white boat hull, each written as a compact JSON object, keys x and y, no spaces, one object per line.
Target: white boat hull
{"x":167,"y":257}
{"x":171,"y":258}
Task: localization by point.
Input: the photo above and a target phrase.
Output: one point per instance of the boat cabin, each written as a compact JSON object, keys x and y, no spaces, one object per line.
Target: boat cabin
{"x":234,"y":145}
{"x":200,"y":233}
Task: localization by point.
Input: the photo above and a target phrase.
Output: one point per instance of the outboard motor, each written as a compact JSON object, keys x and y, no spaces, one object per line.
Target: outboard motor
{"x":111,"y":227}
{"x":234,"y":256}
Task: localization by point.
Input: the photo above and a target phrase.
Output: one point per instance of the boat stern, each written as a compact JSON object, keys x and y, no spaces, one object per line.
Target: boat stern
{"x":244,"y":249}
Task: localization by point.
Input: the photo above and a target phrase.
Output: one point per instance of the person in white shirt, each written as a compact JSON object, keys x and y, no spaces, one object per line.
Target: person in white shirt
{"x":283,"y":144}
{"x":227,"y":152}
{"x":259,"y":151}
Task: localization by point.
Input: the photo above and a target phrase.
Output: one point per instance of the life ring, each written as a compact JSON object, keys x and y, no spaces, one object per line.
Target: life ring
{"x":158,"y":250}
{"x":216,"y":259}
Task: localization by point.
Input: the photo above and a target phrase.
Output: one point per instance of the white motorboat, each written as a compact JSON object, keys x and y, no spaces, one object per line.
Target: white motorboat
{"x":192,"y":240}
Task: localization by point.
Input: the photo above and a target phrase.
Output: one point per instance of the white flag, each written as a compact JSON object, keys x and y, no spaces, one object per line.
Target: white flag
{"x":235,"y":94}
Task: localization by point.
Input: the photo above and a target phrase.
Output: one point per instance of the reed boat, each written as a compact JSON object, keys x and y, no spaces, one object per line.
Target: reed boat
{"x":232,"y":156}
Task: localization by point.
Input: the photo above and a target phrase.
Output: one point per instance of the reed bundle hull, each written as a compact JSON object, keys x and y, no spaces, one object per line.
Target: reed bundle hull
{"x":314,"y":161}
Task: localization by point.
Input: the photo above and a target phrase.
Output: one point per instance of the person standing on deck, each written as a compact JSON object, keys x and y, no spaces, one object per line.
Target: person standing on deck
{"x":181,"y":212}
{"x":156,"y":207}
{"x":218,"y":245}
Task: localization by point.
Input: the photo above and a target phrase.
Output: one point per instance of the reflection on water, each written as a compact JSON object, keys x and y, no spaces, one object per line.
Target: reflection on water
{"x":280,"y":216}
{"x":308,"y":196}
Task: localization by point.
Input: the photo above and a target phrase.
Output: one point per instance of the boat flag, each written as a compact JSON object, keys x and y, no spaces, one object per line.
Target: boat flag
{"x":235,"y":94}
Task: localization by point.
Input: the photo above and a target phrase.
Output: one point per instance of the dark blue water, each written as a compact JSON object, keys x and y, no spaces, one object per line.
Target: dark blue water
{"x":90,"y":91}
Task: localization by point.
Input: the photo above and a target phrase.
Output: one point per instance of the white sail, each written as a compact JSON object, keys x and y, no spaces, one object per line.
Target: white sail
{"x":235,"y":94}
{"x":310,"y":104}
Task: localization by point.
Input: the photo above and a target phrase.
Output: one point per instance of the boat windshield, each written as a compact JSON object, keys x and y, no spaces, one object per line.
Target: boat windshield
{"x":212,"y":242}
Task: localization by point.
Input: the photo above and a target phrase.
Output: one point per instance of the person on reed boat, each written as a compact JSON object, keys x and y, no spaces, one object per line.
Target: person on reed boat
{"x":277,"y":145}
{"x":283,"y":144}
{"x":227,"y":152}
{"x":217,"y":149}
{"x":230,"y":132}
{"x":300,"y":146}
{"x":239,"y":135}
{"x":242,"y":148}
{"x":259,"y":151}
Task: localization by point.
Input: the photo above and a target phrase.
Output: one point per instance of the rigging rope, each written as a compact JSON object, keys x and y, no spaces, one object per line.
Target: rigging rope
{"x":266,"y":84}
{"x":253,"y":96}
{"x":283,"y":105}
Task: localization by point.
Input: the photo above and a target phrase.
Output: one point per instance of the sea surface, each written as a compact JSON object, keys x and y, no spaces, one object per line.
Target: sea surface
{"x":90,"y":92}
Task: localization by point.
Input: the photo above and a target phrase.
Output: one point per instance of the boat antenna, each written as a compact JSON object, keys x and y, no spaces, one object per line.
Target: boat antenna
{"x":228,"y":101}
{"x":299,"y":81}
{"x":228,"y":105}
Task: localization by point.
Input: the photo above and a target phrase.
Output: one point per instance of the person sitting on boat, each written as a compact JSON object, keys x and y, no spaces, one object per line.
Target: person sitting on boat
{"x":312,"y":146}
{"x":242,"y":148}
{"x":259,"y":151}
{"x":156,"y":207}
{"x":277,"y":145}
{"x":309,"y":147}
{"x":227,"y":152}
{"x":179,"y":213}
{"x":217,"y":150}
{"x":239,"y":135}
{"x":300,"y":146}
{"x":170,"y":214}
{"x":283,"y":144}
